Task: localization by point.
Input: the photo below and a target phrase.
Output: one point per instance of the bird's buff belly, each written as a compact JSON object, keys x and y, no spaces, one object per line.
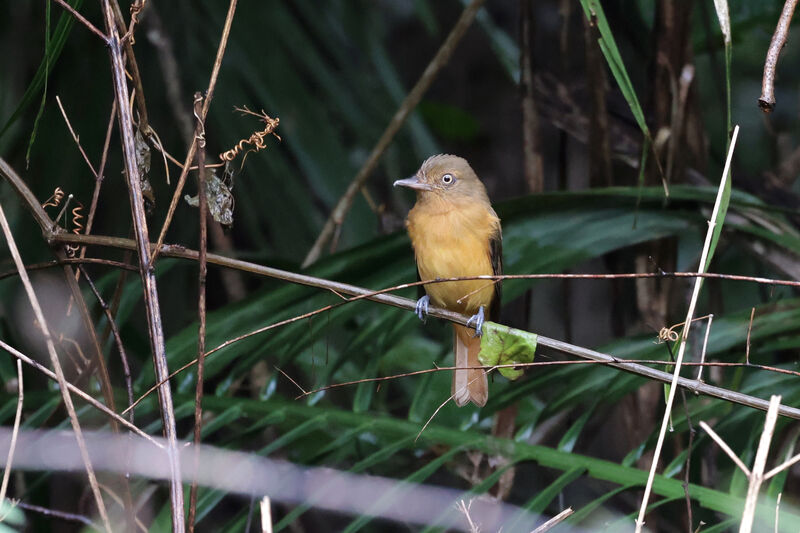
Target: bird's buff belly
{"x":437,"y":261}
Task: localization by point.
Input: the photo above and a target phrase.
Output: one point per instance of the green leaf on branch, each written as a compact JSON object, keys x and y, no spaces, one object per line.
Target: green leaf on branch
{"x":502,"y":345}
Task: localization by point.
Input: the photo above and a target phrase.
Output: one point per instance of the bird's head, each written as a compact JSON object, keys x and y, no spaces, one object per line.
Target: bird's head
{"x":445,"y":177}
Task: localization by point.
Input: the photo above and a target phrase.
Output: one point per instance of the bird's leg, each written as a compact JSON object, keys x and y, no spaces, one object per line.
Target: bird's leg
{"x":478,"y":319}
{"x":422,"y":307}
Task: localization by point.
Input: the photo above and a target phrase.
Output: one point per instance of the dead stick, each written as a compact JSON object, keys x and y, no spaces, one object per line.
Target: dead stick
{"x":147,"y":273}
{"x":14,"y":433}
{"x":756,"y":476}
{"x":201,"y":296}
{"x":767,"y":100}
{"x":80,"y":18}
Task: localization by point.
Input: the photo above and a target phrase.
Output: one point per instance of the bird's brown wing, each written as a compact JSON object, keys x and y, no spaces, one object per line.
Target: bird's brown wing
{"x":496,"y":255}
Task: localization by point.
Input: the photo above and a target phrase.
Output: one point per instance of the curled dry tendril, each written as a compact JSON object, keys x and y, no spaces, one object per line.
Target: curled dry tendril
{"x":256,"y":140}
{"x":55,"y":198}
{"x":77,"y":216}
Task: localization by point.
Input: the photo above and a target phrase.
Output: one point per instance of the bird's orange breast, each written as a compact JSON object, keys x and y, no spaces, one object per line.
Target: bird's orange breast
{"x":454,"y":243}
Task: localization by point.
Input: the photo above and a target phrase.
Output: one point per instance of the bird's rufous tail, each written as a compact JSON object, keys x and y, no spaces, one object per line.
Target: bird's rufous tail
{"x":470,"y":384}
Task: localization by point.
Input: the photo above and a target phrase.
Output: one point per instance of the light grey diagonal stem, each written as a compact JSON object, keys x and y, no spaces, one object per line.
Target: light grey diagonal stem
{"x":146,"y":270}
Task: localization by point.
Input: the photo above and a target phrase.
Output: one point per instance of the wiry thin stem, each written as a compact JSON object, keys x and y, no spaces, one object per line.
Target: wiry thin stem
{"x":78,"y":392}
{"x":80,"y":18}
{"x":14,"y":433}
{"x":62,"y":381}
{"x":212,"y":83}
{"x":201,"y":295}
{"x":725,"y":448}
{"x":126,"y":369}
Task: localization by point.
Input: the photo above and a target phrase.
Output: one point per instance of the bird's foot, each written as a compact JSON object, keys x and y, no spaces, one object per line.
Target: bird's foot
{"x":422,"y":307}
{"x":478,"y":319}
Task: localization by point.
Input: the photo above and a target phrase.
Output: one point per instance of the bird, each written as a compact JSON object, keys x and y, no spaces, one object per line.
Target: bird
{"x":455,"y":232}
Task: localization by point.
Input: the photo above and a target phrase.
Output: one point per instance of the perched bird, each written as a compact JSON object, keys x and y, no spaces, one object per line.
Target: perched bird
{"x":456,"y":233}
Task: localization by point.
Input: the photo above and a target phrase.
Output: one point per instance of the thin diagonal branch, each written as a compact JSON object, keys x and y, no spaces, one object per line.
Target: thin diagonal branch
{"x":783,"y":466}
{"x":705,"y":254}
{"x":725,"y":448}
{"x":62,"y":381}
{"x":72,"y":517}
{"x":126,"y":369}
{"x":80,"y":18}
{"x":146,"y":270}
{"x":412,"y":99}
{"x":75,"y":136}
{"x":212,"y":83}
{"x":78,"y":392}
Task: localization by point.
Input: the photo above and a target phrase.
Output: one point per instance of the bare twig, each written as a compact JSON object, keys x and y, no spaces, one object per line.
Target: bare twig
{"x":126,"y":369}
{"x":783,"y":466}
{"x":70,"y":261}
{"x":705,"y":345}
{"x":100,"y":171}
{"x":557,"y":519}
{"x":749,"y":330}
{"x":201,"y":294}
{"x":682,"y":348}
{"x":209,"y":94}
{"x":128,"y":499}
{"x":75,"y":136}
{"x":756,"y":477}
{"x":71,"y":517}
{"x":464,"y":508}
{"x":266,"y":515}
{"x":14,"y":433}
{"x":146,"y":270}
{"x":725,"y":448}
{"x":80,"y":18}
{"x":62,"y":382}
{"x":78,"y":392}
{"x":406,"y":107}
{"x":767,"y":100}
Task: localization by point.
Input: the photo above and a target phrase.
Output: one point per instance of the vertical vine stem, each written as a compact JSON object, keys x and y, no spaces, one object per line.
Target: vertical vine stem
{"x":688,"y":322}
{"x":62,"y":381}
{"x":201,"y":295}
{"x":146,"y":269}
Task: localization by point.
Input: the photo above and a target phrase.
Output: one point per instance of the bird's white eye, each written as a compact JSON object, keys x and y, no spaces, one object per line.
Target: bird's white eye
{"x":447,"y":179}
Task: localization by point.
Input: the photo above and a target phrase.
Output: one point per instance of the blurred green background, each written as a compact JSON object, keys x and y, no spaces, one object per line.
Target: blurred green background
{"x":334,"y":73}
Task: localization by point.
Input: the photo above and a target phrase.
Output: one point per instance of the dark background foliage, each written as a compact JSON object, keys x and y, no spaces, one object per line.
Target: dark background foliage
{"x":335,"y":72}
